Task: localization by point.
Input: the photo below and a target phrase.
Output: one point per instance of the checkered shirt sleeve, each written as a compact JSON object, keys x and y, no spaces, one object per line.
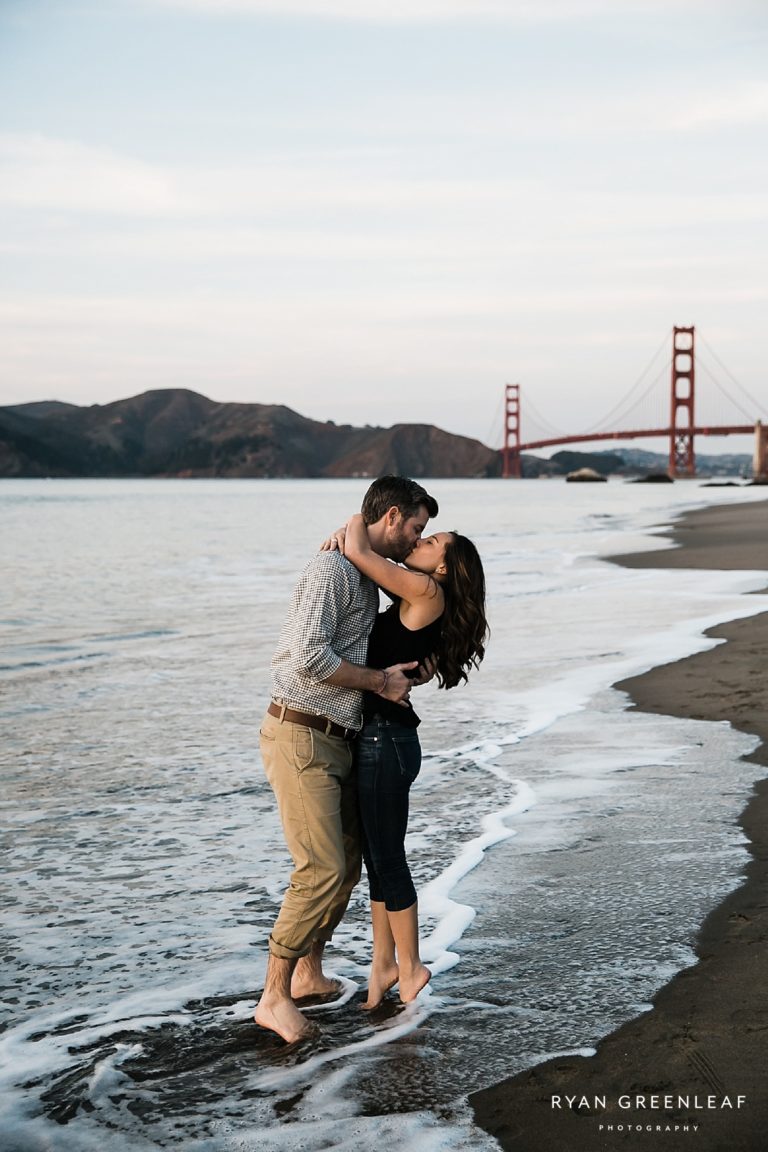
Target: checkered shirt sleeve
{"x":330,"y":618}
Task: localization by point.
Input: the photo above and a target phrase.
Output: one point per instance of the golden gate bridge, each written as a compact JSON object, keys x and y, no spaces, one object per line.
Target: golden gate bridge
{"x":680,"y":427}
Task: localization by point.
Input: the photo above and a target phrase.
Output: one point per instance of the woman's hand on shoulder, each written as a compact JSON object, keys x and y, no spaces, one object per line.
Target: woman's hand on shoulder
{"x":335,"y":542}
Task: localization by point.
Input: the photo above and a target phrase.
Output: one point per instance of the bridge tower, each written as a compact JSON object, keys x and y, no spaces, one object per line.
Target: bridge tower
{"x":510,"y":466}
{"x":682,"y":458}
{"x":760,"y":460}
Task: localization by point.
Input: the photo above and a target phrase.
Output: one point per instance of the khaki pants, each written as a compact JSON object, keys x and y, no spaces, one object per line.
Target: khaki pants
{"x":311,"y":776}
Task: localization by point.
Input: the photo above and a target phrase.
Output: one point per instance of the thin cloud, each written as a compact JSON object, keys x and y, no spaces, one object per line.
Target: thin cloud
{"x":45,"y":172}
{"x":742,"y":106}
{"x":436,"y":11}
{"x":39,"y":172}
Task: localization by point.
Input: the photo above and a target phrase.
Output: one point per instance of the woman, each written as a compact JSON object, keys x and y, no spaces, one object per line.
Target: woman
{"x":438,"y":612}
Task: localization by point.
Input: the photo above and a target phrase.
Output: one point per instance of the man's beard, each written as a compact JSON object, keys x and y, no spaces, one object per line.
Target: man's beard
{"x":399,"y":546}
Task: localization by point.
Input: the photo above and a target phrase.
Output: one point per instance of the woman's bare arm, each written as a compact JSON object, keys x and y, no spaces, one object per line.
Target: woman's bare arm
{"x":408,"y":586}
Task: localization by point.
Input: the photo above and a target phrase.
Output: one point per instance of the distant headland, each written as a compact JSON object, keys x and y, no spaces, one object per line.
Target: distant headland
{"x":178,"y":433}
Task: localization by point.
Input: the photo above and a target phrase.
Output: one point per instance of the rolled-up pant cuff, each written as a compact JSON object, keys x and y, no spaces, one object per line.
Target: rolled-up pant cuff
{"x":284,"y":953}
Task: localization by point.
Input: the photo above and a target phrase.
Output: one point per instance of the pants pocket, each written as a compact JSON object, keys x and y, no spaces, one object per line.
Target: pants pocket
{"x":303,"y":747}
{"x":408,"y":752}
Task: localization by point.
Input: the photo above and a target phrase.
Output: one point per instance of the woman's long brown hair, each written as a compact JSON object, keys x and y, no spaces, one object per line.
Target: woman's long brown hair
{"x":465,"y":628}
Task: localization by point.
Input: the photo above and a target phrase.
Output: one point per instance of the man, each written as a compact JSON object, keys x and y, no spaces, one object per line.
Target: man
{"x":318,"y":678}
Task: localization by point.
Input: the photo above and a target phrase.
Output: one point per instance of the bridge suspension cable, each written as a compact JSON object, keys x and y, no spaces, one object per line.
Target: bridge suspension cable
{"x":540,"y":421}
{"x":758,"y":407}
{"x":620,"y":407}
{"x":703,"y":368}
{"x":496,"y":430}
{"x":627,"y":411}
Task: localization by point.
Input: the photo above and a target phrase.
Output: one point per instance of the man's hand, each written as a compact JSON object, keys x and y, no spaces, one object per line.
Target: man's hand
{"x":335,"y":542}
{"x":425,"y":673}
{"x":398,"y":686}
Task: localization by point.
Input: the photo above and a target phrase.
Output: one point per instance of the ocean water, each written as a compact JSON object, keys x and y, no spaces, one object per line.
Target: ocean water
{"x":565,"y":849}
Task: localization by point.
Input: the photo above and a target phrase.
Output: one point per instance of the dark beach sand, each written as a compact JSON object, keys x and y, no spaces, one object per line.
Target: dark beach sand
{"x":707,"y":1035}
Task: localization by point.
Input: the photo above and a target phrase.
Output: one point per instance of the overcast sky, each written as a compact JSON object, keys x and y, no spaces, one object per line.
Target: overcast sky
{"x":378,"y":211}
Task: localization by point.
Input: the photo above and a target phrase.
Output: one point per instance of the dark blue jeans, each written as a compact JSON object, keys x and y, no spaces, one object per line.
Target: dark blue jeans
{"x":388,"y":759}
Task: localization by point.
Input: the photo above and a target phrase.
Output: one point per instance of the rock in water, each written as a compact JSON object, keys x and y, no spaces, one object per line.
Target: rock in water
{"x":585,"y":475}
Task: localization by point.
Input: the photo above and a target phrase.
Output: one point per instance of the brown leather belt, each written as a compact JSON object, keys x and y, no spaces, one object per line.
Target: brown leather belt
{"x":321,"y":723}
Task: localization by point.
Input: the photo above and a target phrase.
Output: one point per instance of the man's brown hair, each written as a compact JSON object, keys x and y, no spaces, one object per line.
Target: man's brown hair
{"x":396,"y":492}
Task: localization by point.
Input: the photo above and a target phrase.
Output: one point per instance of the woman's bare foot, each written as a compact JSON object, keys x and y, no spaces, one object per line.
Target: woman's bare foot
{"x":412,"y":984}
{"x":284,"y":1018}
{"x":380,"y":982}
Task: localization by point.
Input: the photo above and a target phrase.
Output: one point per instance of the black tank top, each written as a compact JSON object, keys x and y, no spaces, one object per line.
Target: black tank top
{"x":392,"y":643}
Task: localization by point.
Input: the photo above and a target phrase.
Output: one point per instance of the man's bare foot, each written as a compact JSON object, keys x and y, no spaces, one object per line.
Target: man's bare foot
{"x":380,"y":982}
{"x":284,"y":1018}
{"x":313,"y":984}
{"x":411,"y":985}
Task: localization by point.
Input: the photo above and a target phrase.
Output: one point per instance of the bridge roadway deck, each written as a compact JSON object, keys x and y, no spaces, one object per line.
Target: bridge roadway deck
{"x":642,"y":433}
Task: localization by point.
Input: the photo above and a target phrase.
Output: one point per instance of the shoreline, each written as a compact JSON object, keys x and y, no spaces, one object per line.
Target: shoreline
{"x":704,"y":1037}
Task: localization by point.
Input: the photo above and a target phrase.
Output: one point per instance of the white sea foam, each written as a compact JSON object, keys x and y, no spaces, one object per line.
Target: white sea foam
{"x":435,"y":901}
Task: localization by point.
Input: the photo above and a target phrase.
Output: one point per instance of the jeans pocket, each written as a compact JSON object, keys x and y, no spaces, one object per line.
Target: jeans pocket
{"x":408,"y":752}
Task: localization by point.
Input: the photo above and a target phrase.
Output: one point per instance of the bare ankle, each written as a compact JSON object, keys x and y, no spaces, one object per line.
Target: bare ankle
{"x":281,"y":1016}
{"x":412,"y":984}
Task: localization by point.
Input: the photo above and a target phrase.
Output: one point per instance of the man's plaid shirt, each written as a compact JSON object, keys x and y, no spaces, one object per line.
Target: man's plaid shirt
{"x":330,"y":619}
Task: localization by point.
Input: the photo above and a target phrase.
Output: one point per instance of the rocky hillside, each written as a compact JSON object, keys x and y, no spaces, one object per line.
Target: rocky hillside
{"x":175,"y":432}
